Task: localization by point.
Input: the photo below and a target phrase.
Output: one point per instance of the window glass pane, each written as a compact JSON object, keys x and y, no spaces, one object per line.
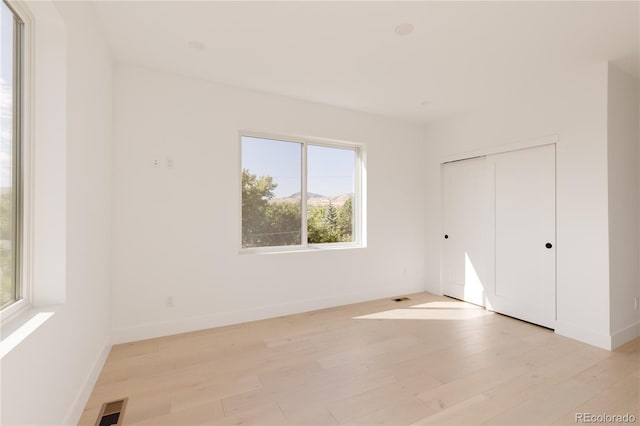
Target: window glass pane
{"x":330,"y":192}
{"x":8,"y":292}
{"x":271,"y":188}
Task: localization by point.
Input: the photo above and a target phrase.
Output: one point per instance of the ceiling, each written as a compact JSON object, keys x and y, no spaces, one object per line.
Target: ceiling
{"x":459,"y":56}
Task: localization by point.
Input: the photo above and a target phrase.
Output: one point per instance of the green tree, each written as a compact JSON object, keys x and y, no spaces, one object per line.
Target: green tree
{"x":6,"y":247}
{"x":283,"y":223}
{"x":322,"y":225}
{"x":269,"y":222}
{"x":256,"y":194}
{"x":266,"y":222}
{"x":331,"y":216}
{"x":6,"y":216}
{"x":345,"y":220}
{"x":316,"y":225}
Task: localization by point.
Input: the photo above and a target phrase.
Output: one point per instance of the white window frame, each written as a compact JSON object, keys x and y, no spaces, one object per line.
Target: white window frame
{"x":20,"y":163}
{"x":43,"y":162}
{"x":359,"y":196}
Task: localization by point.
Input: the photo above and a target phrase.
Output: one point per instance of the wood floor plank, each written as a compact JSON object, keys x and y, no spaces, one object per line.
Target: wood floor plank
{"x":405,"y":412}
{"x":419,"y":361}
{"x":309,"y":413}
{"x":382,"y":397}
{"x":622,"y":397}
{"x":543,"y":408}
{"x":202,"y":414}
{"x":468,"y":412}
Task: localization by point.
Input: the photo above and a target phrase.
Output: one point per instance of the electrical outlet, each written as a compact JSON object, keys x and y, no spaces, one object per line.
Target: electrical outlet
{"x":168,"y":303}
{"x":155,"y":162}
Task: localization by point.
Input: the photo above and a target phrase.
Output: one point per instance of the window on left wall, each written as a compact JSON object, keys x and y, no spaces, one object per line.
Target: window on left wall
{"x":11,"y":78}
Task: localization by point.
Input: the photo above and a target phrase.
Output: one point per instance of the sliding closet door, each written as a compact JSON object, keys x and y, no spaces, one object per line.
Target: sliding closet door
{"x":466,"y":225}
{"x":524,"y":284}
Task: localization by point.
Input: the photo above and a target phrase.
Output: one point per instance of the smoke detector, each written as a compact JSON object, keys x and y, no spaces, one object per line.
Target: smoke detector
{"x":404,"y":29}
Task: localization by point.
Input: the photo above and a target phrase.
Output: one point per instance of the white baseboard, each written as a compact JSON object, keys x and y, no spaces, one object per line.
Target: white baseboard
{"x":184,"y":325}
{"x":625,"y":335}
{"x":434,"y":289}
{"x":590,"y":337}
{"x":601,"y":340}
{"x":74,"y":413}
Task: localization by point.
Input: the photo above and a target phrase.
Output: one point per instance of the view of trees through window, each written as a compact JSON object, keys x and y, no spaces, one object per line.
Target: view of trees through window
{"x":272,"y":180}
{"x":9,"y":27}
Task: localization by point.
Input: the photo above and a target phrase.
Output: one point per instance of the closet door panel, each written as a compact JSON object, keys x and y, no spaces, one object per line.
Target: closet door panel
{"x":465,"y":231}
{"x":524,"y":239}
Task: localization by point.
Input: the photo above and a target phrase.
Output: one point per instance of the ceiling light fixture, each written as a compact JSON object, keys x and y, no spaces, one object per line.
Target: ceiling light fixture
{"x":404,"y":29}
{"x":196,"y":45}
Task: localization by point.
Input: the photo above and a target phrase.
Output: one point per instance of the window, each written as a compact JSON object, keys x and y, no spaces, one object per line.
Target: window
{"x":300,"y":193}
{"x":11,"y":28}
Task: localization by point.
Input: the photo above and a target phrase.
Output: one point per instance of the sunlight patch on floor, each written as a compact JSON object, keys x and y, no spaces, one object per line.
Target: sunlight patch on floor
{"x":428,"y":314}
{"x":448,"y":305}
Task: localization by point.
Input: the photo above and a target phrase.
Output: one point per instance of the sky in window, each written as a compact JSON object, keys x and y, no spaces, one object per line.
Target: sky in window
{"x":6,"y":94}
{"x":330,"y":170}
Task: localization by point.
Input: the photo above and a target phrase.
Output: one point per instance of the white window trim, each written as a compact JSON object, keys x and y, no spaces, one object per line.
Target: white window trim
{"x":43,"y":186}
{"x":23,"y":277}
{"x":359,"y":199}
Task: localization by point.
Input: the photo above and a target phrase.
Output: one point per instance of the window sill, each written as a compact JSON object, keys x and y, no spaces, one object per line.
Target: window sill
{"x":301,"y":249}
{"x":15,"y":310}
{"x":19,"y":327}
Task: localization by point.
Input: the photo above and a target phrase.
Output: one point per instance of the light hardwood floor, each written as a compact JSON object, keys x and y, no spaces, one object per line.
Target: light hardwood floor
{"x":429,"y":360}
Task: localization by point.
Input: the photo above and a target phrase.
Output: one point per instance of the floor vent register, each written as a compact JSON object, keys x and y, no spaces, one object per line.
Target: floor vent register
{"x":112,"y":413}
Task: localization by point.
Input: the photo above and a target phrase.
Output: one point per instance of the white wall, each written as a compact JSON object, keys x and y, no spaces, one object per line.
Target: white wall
{"x":623,"y":153}
{"x":574,"y":107}
{"x":176,"y":230}
{"x":46,"y":379}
